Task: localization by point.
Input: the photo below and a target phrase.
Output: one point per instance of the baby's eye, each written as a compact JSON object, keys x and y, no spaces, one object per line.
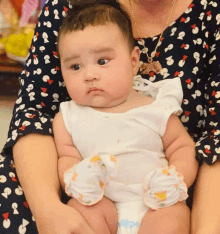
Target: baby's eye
{"x":75,"y":67}
{"x":103,"y":61}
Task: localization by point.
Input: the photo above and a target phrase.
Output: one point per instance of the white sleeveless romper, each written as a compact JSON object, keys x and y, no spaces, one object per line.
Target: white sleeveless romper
{"x":134,"y":137}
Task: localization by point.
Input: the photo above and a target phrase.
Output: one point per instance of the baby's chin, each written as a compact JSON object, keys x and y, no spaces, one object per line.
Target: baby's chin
{"x":101,"y":103}
{"x":93,"y":104}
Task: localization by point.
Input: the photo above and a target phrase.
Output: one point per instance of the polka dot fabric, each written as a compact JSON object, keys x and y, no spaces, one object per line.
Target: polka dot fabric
{"x":189,"y":49}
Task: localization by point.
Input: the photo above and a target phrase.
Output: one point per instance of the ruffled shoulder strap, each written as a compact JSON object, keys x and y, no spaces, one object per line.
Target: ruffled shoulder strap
{"x":168,"y":97}
{"x":169,"y":90}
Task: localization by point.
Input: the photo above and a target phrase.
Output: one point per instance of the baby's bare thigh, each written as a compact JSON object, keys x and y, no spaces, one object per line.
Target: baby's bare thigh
{"x":168,"y":220}
{"x":102,"y":217}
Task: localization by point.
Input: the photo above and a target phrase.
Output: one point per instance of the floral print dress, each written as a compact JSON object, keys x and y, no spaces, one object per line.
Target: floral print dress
{"x":189,"y":49}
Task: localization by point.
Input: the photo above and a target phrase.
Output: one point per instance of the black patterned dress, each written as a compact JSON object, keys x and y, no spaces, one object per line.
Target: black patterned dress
{"x":189,"y":49}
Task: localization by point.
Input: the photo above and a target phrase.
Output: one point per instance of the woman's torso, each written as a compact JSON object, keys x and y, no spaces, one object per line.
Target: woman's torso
{"x":185,"y":52}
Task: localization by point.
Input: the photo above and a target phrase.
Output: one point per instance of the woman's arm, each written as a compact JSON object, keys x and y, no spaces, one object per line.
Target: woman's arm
{"x":38,"y":176}
{"x":35,"y":159}
{"x":206,"y":208}
{"x":180,"y":150}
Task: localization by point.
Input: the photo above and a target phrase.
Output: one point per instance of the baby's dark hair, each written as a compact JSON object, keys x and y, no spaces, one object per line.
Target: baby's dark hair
{"x":96,"y":12}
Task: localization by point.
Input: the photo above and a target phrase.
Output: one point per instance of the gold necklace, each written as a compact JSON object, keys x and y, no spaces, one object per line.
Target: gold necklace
{"x":151,"y":65}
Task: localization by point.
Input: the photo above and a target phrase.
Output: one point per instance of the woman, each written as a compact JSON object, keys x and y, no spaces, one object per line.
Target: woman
{"x":177,"y":38}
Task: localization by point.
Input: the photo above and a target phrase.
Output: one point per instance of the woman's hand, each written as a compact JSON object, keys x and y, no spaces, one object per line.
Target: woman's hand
{"x":62,"y":219}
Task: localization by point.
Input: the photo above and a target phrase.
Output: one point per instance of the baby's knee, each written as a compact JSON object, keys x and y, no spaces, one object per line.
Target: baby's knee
{"x":175,"y":227}
{"x":179,"y":222}
{"x":169,"y":220}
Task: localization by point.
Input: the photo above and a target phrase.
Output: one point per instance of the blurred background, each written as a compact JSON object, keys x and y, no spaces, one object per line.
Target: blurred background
{"x":17,"y":23}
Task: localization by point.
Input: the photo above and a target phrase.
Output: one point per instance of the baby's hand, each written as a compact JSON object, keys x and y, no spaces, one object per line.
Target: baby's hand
{"x":164,"y":187}
{"x":86,"y":180}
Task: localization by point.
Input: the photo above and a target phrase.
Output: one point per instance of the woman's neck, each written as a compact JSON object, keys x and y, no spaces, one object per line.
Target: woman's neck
{"x":149,"y":7}
{"x":152,"y":6}
{"x":151,"y":15}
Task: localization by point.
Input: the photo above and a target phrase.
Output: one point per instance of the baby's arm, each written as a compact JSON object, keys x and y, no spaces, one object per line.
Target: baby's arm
{"x":180,"y":152}
{"x":102,"y":217}
{"x":180,"y":149}
{"x":67,"y":152}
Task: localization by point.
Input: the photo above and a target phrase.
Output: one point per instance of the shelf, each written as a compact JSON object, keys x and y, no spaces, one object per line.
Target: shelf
{"x":9,"y":73}
{"x":8,"y":65}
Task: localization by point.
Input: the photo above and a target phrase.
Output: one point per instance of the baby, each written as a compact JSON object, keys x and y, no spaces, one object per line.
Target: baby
{"x":124,"y":156}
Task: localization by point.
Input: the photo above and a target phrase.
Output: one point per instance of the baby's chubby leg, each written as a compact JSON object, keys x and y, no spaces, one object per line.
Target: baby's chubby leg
{"x":168,"y":220}
{"x":102,"y":216}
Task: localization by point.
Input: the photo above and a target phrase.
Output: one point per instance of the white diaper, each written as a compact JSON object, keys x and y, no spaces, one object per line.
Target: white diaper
{"x":130,"y":215}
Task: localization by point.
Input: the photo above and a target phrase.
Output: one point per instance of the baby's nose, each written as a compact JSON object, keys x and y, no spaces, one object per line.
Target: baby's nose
{"x":91,"y":74}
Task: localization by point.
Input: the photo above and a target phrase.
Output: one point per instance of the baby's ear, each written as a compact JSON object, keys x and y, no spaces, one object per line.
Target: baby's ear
{"x":135,"y":59}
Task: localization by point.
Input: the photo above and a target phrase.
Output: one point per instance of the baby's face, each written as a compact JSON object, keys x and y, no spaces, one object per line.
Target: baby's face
{"x":98,"y":65}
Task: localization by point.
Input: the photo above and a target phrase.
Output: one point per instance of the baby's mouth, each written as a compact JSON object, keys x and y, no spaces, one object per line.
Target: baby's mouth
{"x":94,"y":89}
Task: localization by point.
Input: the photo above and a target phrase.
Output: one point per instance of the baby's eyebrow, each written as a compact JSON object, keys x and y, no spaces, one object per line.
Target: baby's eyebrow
{"x":101,"y":50}
{"x":72,"y":57}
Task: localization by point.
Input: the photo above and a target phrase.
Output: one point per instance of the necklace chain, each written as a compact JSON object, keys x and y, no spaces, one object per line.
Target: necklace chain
{"x":150,"y":59}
